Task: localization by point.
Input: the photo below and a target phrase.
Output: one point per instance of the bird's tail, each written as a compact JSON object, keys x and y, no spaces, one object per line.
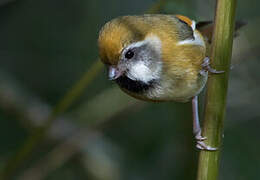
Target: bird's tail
{"x":206,"y":28}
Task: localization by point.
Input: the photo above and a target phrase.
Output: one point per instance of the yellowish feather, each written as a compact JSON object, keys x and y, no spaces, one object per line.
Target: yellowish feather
{"x":181,"y":63}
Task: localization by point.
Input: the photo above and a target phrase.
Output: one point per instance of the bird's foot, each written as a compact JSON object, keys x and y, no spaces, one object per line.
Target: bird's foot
{"x":201,"y":144}
{"x":207,"y":68}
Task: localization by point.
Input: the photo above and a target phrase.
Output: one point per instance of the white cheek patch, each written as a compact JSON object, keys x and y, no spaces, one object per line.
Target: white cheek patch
{"x":139,"y":71}
{"x":146,"y":71}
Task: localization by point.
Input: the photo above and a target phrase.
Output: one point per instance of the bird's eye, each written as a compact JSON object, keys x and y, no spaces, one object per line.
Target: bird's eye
{"x":129,"y":54}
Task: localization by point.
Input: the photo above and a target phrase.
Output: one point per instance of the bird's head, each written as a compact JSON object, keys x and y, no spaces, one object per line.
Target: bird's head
{"x":132,"y":56}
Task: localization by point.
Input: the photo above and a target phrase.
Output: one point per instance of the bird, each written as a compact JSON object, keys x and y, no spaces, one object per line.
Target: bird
{"x":158,"y":58}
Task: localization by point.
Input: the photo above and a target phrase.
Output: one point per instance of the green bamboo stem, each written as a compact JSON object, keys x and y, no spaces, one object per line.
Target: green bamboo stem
{"x":215,"y":105}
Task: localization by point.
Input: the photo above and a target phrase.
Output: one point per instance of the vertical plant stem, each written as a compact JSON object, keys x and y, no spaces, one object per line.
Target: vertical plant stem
{"x":215,"y":105}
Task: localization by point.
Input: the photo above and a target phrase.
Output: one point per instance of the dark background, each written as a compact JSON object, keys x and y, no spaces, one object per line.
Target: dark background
{"x":47,"y":45}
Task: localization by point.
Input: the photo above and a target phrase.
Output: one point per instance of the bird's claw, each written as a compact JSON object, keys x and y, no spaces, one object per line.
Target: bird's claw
{"x":201,"y":144}
{"x":198,"y":137}
{"x":207,"y":68}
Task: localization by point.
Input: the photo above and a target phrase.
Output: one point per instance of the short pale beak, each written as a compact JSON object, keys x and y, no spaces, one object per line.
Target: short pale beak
{"x":114,"y":73}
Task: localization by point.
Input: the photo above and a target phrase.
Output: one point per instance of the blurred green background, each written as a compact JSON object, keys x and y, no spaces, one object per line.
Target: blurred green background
{"x":46,"y":46}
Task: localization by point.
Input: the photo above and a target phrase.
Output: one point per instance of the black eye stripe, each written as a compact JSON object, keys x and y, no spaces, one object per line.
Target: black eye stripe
{"x":129,"y":54}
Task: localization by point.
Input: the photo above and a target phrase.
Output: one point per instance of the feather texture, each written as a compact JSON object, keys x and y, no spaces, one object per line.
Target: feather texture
{"x":181,"y":62}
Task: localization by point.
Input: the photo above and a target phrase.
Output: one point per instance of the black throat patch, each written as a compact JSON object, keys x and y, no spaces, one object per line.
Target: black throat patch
{"x":133,"y":85}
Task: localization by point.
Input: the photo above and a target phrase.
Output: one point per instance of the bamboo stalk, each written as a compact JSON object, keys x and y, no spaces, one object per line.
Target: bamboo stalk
{"x":215,"y":104}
